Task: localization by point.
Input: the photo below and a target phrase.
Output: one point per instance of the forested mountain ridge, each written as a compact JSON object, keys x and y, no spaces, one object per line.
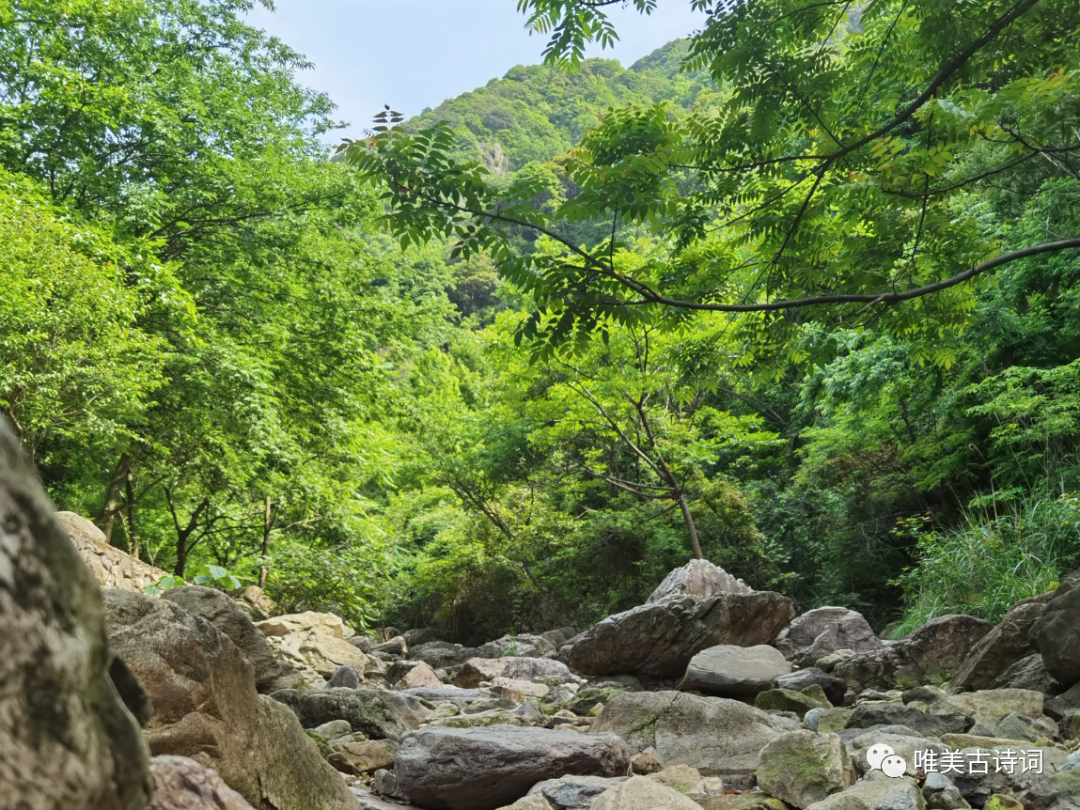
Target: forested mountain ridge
{"x":242,"y":369}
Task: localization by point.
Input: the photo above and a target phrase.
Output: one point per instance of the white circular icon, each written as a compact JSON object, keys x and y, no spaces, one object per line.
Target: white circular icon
{"x":876,"y":753}
{"x":893,"y":766}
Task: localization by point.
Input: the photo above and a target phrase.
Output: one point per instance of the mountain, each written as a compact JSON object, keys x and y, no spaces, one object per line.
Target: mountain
{"x":537,"y":113}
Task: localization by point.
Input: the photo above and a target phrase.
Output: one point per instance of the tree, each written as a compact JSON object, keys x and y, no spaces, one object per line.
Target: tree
{"x":836,"y":173}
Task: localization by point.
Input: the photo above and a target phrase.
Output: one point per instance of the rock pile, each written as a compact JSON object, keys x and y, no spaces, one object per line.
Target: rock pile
{"x":710,"y":695}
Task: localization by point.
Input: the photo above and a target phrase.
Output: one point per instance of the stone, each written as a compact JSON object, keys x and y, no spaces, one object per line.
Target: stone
{"x":223,"y":612}
{"x":418,"y":677}
{"x":181,"y":783}
{"x":503,"y":763}
{"x":987,"y":706}
{"x":530,"y":802}
{"x":67,"y":739}
{"x":897,"y":714}
{"x":645,"y":763}
{"x":1057,"y":633}
{"x":573,"y":792}
{"x":334,"y":730}
{"x":254,"y":602}
{"x":828,"y":662}
{"x":642,"y":793}
{"x":659,"y":639}
{"x":328,"y":624}
{"x":999,"y":802}
{"x":825,"y":630}
{"x":111,"y":567}
{"x":699,"y":579}
{"x":385,"y":782}
{"x":748,"y":801}
{"x":420,"y":635}
{"x":833,"y":687}
{"x":788,"y":700}
{"x":977,"y":787}
{"x":1061,"y":791}
{"x":930,"y":655}
{"x":516,"y":689}
{"x":734,"y":672}
{"x":207,"y":708}
{"x":363,"y":757}
{"x":719,"y":737}
{"x":1011,"y":640}
{"x":379,"y":714}
{"x":447,"y":694}
{"x":903,"y":745}
{"x":478,"y":670}
{"x":832,"y":720}
{"x":588,"y":697}
{"x":682,"y":778}
{"x":441,"y":654}
{"x":941,"y":794}
{"x":1029,"y":673}
{"x":519,"y":646}
{"x":802,"y":767}
{"x":880,"y":793}
{"x":344,"y":677}
{"x":362,"y":643}
{"x":394,"y":646}
{"x":811,"y":718}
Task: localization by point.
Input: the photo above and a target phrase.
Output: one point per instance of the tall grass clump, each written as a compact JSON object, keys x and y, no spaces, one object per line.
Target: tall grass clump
{"x":996,"y":557}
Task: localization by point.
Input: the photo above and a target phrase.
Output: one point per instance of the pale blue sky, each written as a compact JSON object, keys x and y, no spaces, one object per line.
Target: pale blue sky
{"x":414,"y":54}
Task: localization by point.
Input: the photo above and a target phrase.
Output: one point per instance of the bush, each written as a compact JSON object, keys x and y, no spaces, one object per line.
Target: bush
{"x":998,"y":557}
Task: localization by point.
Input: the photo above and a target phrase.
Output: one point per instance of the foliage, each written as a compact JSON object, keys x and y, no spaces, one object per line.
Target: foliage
{"x":207,"y":575}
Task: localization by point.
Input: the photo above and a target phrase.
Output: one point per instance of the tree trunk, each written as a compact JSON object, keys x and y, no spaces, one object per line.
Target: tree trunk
{"x":268,"y":522}
{"x":112,"y":497}
{"x":691,"y":528}
{"x":133,"y":535}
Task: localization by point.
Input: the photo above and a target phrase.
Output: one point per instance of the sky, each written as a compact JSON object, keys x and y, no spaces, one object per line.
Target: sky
{"x":413,"y":54}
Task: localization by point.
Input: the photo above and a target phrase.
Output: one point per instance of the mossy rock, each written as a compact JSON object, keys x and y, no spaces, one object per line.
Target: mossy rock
{"x":1000,"y":802}
{"x":788,"y":700}
{"x":588,"y":697}
{"x":833,"y":720}
{"x":324,"y":747}
{"x":815,"y":692}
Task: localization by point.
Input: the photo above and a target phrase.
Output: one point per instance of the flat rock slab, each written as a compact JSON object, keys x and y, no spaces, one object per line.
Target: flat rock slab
{"x":487,"y":768}
{"x":735,"y":672}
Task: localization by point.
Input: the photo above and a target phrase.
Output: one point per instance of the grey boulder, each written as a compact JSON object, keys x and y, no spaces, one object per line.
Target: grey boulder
{"x":735,"y":672}
{"x":833,"y":687}
{"x":486,"y":768}
{"x":660,"y":638}
{"x":377,"y":713}
{"x":1057,"y":634}
{"x":181,"y":783}
{"x":1007,"y":643}
{"x":802,"y":767}
{"x":823,"y":631}
{"x":699,"y":579}
{"x":573,"y":792}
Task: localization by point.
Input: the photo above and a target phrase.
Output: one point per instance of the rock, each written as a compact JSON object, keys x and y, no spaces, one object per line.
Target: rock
{"x":363,"y":757}
{"x":832,"y":720}
{"x":572,"y":792}
{"x":646,"y":763}
{"x":395,"y":646}
{"x":642,"y":793}
{"x":699,"y":579}
{"x":522,"y":646}
{"x":344,"y":677}
{"x":941,"y":794}
{"x":66,"y":737}
{"x":999,"y":802}
{"x":1061,"y":790}
{"x":447,"y":694}
{"x":930,"y":655}
{"x":207,"y":708}
{"x":517,"y":690}
{"x":881,"y":793}
{"x":1012,"y":639}
{"x":380,"y":714}
{"x":291,"y":624}
{"x":477,"y":670}
{"x":811,"y":718}
{"x":719,"y":737}
{"x":440,"y":654}
{"x":419,"y":676}
{"x":660,"y":638}
{"x":334,"y":730}
{"x":222,"y":612}
{"x":833,"y":687}
{"x":802,"y":767}
{"x":896,"y":714}
{"x":825,"y":630}
{"x":420,"y":635}
{"x":254,"y":602}
{"x":903,"y":745}
{"x":978,"y":787}
{"x":987,"y":706}
{"x":531,"y":802}
{"x":681,"y":778}
{"x":385,"y":782}
{"x":1029,"y":673}
{"x":923,"y":694}
{"x":183,"y":784}
{"x":362,"y":643}
{"x":749,"y":801}
{"x":734,"y":672}
{"x":788,"y":700}
{"x":828,"y":662}
{"x":590,"y":696}
{"x":1057,"y":633}
{"x":503,"y":763}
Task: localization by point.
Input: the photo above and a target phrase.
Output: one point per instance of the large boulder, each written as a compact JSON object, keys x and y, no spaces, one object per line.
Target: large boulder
{"x":868,"y":715}
{"x":316,"y":643}
{"x":522,"y":646}
{"x":486,"y":768}
{"x":380,"y":714}
{"x":833,"y":687}
{"x":660,"y":638}
{"x":642,"y":793}
{"x":1057,"y":633}
{"x":223,"y":612}
{"x":1011,"y":640}
{"x":719,"y":737}
{"x":573,"y":792}
{"x":987,"y":706}
{"x":66,"y":737}
{"x":825,"y":630}
{"x":699,"y":579}
{"x":930,"y":655}
{"x":441,"y":654}
{"x":879,"y":793}
{"x":734,"y":672}
{"x":541,"y":670}
{"x":183,"y":784}
{"x":208,"y":709}
{"x":802,"y":767}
